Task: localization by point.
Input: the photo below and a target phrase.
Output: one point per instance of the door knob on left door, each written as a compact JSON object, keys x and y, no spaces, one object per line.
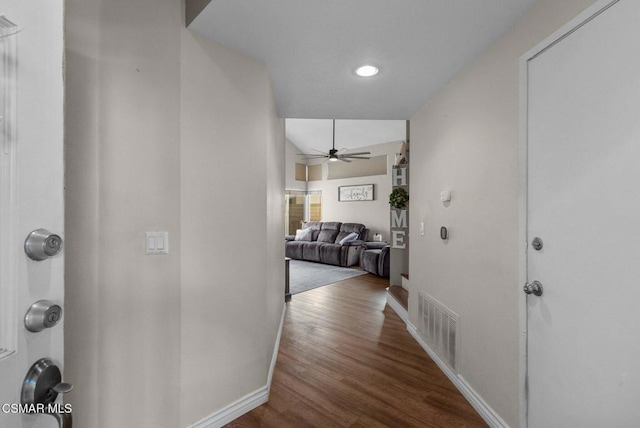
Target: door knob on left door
{"x":534,"y":288}
{"x":41,"y":387}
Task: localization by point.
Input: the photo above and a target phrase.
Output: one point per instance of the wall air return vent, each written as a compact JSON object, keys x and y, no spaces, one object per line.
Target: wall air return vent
{"x":437,"y":327}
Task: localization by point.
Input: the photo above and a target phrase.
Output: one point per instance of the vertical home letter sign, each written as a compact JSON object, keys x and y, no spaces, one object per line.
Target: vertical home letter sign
{"x":399,"y":223}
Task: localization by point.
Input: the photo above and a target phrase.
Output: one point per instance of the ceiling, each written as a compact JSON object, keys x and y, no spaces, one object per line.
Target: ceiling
{"x":312,"y":47}
{"x":317,"y":134}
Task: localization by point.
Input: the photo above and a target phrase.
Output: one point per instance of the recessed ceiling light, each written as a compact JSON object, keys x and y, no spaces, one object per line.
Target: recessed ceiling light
{"x":367,"y":71}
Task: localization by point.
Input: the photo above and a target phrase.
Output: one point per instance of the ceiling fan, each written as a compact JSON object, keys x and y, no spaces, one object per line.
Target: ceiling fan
{"x":336,"y":155}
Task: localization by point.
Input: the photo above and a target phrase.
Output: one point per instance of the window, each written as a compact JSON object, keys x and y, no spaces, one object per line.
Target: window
{"x":301,"y":172}
{"x":376,"y":165}
{"x":301,"y":206}
{"x":315,"y":206}
{"x":294,"y":212}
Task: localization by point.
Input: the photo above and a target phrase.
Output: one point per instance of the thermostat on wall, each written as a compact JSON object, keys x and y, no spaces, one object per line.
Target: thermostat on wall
{"x":445,"y":196}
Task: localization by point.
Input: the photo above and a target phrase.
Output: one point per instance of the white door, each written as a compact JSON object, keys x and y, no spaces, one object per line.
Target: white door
{"x":584,"y":203}
{"x":31,"y":190}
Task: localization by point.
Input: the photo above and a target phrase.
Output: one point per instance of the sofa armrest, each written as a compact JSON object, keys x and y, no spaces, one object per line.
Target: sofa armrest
{"x":375,"y":245}
{"x":383,"y":262}
{"x":355,"y":243}
{"x":289,"y":237}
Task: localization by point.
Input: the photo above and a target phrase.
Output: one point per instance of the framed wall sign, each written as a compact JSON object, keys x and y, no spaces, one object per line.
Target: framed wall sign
{"x":362,"y":192}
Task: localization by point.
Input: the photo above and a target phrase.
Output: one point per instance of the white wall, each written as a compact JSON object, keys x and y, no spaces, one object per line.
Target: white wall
{"x":123,"y":177}
{"x":232,"y":217}
{"x":466,"y":140}
{"x":373,"y":214}
{"x":273,"y":280}
{"x":145,"y":151}
{"x":82,"y":205}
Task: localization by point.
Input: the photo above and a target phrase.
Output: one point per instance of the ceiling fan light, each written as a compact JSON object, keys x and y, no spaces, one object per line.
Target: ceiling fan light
{"x":333,"y":159}
{"x":367,"y":71}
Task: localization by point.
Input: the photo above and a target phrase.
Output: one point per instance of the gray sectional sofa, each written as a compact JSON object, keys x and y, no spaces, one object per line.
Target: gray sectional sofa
{"x":323,"y":245}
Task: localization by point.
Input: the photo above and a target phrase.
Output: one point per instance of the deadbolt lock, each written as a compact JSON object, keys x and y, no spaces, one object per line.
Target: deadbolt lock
{"x":41,"y":315}
{"x":42,"y":244}
{"x":537,"y":244}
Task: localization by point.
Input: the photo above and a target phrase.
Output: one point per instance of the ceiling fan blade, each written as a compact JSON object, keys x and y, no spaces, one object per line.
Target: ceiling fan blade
{"x":344,"y":160}
{"x":353,"y":157}
{"x":357,"y":153}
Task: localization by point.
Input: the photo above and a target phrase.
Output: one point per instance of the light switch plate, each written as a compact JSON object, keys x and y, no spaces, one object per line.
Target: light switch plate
{"x":157,"y":242}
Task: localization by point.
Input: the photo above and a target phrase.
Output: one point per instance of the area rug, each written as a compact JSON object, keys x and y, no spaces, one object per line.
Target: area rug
{"x":305,"y":276}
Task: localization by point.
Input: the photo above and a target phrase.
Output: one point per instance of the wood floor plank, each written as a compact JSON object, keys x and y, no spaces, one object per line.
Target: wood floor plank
{"x":347,"y":360}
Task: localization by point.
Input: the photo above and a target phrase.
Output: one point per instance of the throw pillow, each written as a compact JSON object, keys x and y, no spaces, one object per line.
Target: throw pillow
{"x":303,"y":234}
{"x":350,"y":237}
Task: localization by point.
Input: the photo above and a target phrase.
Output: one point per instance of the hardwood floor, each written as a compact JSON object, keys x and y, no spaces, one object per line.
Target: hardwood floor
{"x":347,"y":360}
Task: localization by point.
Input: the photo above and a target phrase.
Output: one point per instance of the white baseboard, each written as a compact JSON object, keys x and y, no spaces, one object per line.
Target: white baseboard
{"x":234,"y":410}
{"x":397,"y":308}
{"x":249,"y":401}
{"x":276,"y":348}
{"x":485,"y":411}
